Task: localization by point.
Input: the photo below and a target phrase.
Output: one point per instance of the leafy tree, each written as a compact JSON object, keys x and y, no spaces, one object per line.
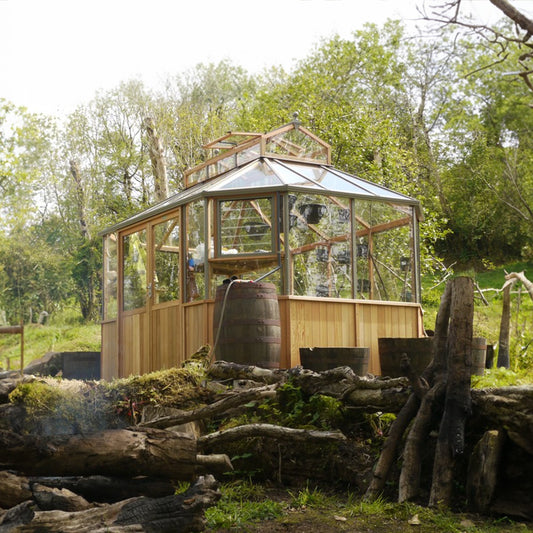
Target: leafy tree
{"x":487,"y":185}
{"x":197,"y":107}
{"x":25,"y":144}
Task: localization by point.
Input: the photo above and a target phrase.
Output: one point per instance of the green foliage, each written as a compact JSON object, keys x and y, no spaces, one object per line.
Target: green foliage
{"x":500,"y":377}
{"x":309,"y":498}
{"x":86,"y":274}
{"x":292,"y":409}
{"x":242,"y":503}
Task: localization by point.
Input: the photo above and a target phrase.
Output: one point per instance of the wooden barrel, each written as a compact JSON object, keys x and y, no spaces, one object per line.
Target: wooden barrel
{"x":419,"y":350}
{"x":479,"y":354}
{"x":320,"y":359}
{"x":250,"y":327}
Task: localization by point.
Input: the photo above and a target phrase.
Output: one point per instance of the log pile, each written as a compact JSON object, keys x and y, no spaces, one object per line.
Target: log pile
{"x":124,"y":479}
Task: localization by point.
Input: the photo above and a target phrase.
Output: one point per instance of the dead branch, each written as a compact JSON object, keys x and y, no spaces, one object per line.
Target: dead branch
{"x":520,"y":276}
{"x":234,"y":400}
{"x":268,"y":431}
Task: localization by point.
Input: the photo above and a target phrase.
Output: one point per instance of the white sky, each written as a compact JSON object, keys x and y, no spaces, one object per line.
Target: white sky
{"x":55,"y":54}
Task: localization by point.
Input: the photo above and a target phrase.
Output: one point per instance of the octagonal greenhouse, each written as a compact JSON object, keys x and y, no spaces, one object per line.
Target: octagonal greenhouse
{"x":342,"y":253}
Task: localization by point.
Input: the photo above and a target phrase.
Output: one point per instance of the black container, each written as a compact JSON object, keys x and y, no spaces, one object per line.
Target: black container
{"x":81,"y":365}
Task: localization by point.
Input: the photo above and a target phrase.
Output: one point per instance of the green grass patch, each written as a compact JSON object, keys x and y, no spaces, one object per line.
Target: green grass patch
{"x":242,"y":503}
{"x":63,"y":333}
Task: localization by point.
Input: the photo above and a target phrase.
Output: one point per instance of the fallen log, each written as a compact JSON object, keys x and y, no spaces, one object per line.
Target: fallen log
{"x":149,"y":452}
{"x":105,"y":489}
{"x":184,"y":512}
{"x":53,"y":499}
{"x":509,"y":408}
{"x":269,"y":431}
{"x":14,"y":489}
{"x":483,"y":469}
{"x":227,"y":371}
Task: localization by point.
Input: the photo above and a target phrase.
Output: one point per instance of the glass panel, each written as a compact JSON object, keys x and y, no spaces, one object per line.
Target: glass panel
{"x":320,"y":243}
{"x":327,"y":179}
{"x":295,"y":143}
{"x":258,"y":175}
{"x":194,"y":265}
{"x":260,"y":268}
{"x":167,"y":261}
{"x":134,"y":267}
{"x":371,"y":188}
{"x":110,"y":276}
{"x":384,"y":253}
{"x":248,"y":154}
{"x":289,"y":177}
{"x":245,"y":226}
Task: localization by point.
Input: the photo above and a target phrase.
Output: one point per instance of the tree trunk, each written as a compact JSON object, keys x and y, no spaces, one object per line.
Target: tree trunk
{"x":157,"y":158}
{"x":113,"y":452}
{"x":106,"y":489}
{"x":457,"y":406}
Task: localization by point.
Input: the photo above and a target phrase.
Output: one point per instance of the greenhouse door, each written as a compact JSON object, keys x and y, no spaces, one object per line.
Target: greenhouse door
{"x":150,"y":334}
{"x":134,"y":338}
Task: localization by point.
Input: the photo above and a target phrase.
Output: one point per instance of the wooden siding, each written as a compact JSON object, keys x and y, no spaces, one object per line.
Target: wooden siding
{"x":198,"y":326}
{"x":385,"y":319}
{"x":179,"y":330}
{"x":167,"y":337}
{"x":134,"y":355}
{"x":109,"y":350}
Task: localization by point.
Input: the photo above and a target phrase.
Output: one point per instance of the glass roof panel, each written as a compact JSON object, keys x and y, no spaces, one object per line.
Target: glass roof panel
{"x":295,"y":143}
{"x":257,"y":174}
{"x":324,"y":177}
{"x":372,"y":189}
{"x":290,"y":177}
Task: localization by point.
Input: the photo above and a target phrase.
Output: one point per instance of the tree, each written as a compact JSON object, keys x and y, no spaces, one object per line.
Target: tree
{"x":499,"y":41}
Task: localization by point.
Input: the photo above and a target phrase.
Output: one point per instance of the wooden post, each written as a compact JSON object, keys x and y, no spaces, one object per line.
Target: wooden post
{"x":505,"y":326}
{"x":15,"y":330}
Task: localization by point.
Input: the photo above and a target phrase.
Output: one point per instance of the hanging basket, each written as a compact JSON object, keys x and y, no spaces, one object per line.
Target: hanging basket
{"x":344,"y":215}
{"x":313,"y":212}
{"x":343,"y":257}
{"x":362,"y":250}
{"x":322,"y":255}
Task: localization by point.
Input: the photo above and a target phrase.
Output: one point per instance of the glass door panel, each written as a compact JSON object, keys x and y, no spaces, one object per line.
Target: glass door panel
{"x":134,"y":256}
{"x":166,"y":280}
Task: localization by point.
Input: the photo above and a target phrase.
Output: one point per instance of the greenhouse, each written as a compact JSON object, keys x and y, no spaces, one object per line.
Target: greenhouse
{"x":342,"y":253}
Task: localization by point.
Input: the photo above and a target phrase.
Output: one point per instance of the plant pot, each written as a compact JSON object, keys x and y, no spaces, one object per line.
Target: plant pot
{"x":313,"y":212}
{"x":418,"y":349}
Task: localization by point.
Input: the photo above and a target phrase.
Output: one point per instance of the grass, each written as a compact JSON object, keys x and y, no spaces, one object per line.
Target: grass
{"x":65,"y":332}
{"x":487,"y":316}
{"x":242,"y":503}
{"x":246,"y":508}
